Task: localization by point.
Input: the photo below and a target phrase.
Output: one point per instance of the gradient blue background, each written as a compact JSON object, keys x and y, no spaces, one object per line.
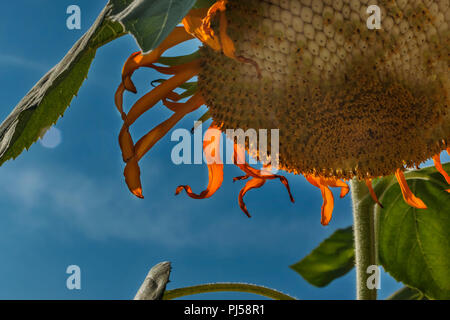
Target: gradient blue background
{"x":70,"y":205}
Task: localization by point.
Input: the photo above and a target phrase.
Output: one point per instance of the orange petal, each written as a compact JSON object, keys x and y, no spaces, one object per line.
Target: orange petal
{"x":241,"y":178}
{"x":239,"y":161}
{"x":118,"y":99}
{"x":215,"y":174}
{"x":137,"y":60}
{"x":132,"y":175}
{"x":174,"y":96}
{"x":198,"y":23}
{"x":151,"y":138}
{"x":328,"y":205}
{"x":126,"y":144}
{"x":345,"y":189}
{"x":284,"y":181}
{"x":192,"y":104}
{"x":327,"y":195}
{"x":160,"y":92}
{"x":239,"y":152}
{"x":194,"y":23}
{"x":215,"y":168}
{"x":315,"y":181}
{"x":254,"y":183}
{"x":128,"y":69}
{"x":372,"y":192}
{"x":438,"y":165}
{"x":409,"y":197}
{"x":228,"y":47}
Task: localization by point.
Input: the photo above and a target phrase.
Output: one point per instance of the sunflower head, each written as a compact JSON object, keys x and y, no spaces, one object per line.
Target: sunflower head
{"x":349,"y":102}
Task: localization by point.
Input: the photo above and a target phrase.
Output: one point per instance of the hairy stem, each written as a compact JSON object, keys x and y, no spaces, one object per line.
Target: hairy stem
{"x":365,"y":240}
{"x":222,"y":287}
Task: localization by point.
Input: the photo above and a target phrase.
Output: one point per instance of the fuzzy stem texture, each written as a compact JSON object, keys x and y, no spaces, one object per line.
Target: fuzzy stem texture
{"x":365,"y":240}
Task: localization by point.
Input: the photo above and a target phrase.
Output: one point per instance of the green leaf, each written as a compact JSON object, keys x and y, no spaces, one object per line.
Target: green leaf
{"x":49,"y":98}
{"x":407,"y":293}
{"x":150,"y":22}
{"x":414,"y":244}
{"x":332,"y":259}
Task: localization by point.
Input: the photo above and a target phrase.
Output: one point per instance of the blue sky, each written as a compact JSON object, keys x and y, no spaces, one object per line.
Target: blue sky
{"x":69,"y":204}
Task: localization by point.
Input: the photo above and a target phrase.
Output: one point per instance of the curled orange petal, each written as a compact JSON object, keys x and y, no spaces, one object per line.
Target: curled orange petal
{"x":151,"y":138}
{"x":118,"y":99}
{"x":137,"y":60}
{"x":132,"y":175}
{"x":327,"y":195}
{"x":254,"y":183}
{"x":336,"y":183}
{"x":128,"y":69}
{"x":372,"y":192}
{"x":126,"y":144}
{"x":328,"y":205}
{"x":228,"y":47}
{"x":239,"y":151}
{"x":174,"y":96}
{"x":259,"y":177}
{"x":241,"y":178}
{"x":160,"y":92}
{"x":409,"y":197}
{"x":438,"y":165}
{"x":196,"y":24}
{"x":215,"y":168}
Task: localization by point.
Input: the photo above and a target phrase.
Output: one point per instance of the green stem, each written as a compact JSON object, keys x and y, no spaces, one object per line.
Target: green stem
{"x":221,"y":287}
{"x":365,"y":240}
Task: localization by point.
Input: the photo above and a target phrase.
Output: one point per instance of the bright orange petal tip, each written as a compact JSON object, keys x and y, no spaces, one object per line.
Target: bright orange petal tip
{"x":138,"y":193}
{"x":179,"y":189}
{"x":132,"y":174}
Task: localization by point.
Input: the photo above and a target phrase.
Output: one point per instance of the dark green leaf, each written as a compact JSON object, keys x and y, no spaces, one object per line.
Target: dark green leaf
{"x":407,"y":293}
{"x":50,"y":97}
{"x":332,"y":259}
{"x":150,"y":22}
{"x":414,"y":244}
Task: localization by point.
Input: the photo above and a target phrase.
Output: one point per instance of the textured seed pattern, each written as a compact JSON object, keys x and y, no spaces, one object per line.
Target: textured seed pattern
{"x":348,"y":101}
